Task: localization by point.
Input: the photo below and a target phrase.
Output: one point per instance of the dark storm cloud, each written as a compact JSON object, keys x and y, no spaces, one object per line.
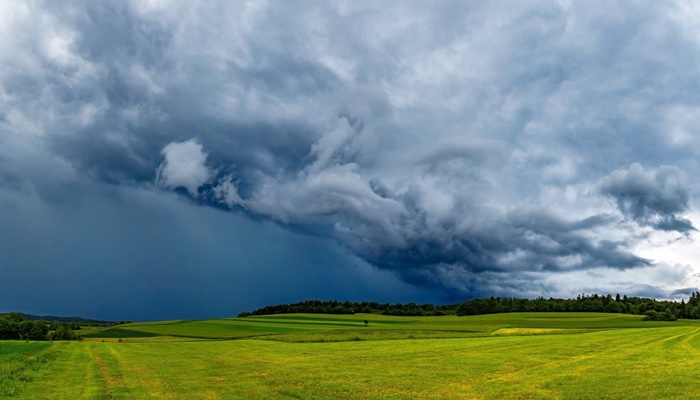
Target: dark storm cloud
{"x":458,"y":146}
{"x":167,"y":260}
{"x":524,"y":240}
{"x":397,"y":232}
{"x":654,"y":199}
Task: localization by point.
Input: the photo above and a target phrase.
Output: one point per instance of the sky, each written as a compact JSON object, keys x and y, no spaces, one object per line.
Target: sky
{"x":164,"y":160}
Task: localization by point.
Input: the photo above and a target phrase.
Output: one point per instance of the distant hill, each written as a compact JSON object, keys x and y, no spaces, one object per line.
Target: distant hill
{"x":51,"y":318}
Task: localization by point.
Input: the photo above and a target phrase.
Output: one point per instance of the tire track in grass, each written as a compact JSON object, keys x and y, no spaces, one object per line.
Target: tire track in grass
{"x":117,"y":382}
{"x":109,"y":382}
{"x":144,"y":373}
{"x":547,"y":372}
{"x":671,"y":340}
{"x":89,"y":385}
{"x":150,"y":373}
{"x":691,"y":343}
{"x":679,"y":355}
{"x":652,"y":351}
{"x":72,"y":375}
{"x":89,"y":376}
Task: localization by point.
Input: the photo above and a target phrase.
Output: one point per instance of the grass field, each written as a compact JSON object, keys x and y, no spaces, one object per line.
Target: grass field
{"x":522,"y":356}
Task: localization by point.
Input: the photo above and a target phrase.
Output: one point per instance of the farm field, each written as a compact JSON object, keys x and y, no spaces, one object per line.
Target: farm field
{"x":320,"y":327}
{"x":530,"y":355}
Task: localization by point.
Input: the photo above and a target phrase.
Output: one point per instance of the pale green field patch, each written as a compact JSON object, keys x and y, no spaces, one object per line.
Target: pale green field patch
{"x":536,"y":331}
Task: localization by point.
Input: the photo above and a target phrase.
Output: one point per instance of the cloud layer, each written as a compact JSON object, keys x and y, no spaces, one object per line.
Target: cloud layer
{"x":469,"y":148}
{"x":653,"y":199}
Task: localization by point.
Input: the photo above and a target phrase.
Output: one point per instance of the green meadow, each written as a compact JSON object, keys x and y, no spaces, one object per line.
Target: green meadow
{"x":311,"y":356}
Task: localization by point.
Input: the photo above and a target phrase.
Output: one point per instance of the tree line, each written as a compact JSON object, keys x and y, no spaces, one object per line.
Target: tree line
{"x":652,"y":309}
{"x":13,"y":326}
{"x":348,"y":307}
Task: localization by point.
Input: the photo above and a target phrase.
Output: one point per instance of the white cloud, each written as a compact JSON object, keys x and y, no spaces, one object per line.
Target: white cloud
{"x":184,"y":166}
{"x":227,"y":193}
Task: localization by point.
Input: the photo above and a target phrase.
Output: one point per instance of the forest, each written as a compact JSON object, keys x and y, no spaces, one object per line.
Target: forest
{"x":652,"y":309}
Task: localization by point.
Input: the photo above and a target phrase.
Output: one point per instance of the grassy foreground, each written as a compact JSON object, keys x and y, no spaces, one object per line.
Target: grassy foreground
{"x":567,"y":356}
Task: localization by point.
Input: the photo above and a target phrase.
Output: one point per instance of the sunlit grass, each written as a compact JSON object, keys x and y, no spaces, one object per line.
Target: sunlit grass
{"x":308,"y":325}
{"x":583,"y":356}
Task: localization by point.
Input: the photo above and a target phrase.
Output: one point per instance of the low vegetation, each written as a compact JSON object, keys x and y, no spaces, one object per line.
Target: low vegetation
{"x":494,"y":356}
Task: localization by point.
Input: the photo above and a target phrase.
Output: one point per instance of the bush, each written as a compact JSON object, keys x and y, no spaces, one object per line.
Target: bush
{"x":652,"y":315}
{"x":63,"y":333}
{"x":613,"y":307}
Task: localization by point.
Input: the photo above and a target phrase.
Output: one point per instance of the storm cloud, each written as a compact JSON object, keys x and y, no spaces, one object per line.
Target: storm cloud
{"x":655,"y":199}
{"x":465,"y":148}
